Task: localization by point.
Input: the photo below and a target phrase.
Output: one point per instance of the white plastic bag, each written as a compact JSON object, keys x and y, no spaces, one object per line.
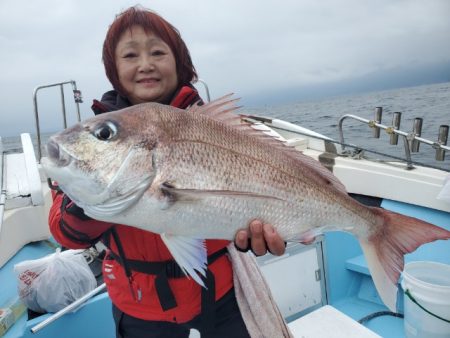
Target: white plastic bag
{"x":55,"y":281}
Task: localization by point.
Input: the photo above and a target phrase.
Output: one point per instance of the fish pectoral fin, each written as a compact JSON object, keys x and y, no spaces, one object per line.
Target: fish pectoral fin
{"x":190,"y":254}
{"x":181,"y":194}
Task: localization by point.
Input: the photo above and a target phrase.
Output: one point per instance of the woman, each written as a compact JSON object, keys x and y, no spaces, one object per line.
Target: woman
{"x":147,"y":61}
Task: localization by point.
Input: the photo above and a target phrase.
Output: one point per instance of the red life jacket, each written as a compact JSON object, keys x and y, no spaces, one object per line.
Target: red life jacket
{"x":132,"y":291}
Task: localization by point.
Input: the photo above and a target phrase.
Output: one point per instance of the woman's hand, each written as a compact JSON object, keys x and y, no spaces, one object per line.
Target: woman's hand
{"x":260,"y":238}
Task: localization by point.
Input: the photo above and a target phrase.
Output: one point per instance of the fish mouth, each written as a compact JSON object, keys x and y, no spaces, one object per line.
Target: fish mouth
{"x":57,"y":154}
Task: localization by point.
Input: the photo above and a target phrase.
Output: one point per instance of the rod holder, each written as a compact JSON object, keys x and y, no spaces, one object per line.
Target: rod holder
{"x":442,"y":140}
{"x":417,"y":131}
{"x":77,"y":96}
{"x":378,"y":115}
{"x":396,"y":118}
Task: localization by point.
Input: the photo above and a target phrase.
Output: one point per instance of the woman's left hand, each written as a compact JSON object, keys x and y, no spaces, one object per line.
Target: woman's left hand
{"x":260,"y":238}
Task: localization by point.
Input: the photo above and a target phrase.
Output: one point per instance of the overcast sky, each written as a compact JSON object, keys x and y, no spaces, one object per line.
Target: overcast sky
{"x":254,"y":48}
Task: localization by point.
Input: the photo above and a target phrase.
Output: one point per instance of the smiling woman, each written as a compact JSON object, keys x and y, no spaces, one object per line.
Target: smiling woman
{"x":151,"y":32}
{"x":146,"y":67}
{"x":147,"y":62}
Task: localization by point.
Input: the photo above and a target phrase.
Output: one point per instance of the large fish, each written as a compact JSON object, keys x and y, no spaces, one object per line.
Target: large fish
{"x":202,"y":173}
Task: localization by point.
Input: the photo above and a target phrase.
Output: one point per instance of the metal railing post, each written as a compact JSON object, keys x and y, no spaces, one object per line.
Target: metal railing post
{"x":63,"y":106}
{"x":392,"y":130}
{"x":208,"y":97}
{"x":63,"y":103}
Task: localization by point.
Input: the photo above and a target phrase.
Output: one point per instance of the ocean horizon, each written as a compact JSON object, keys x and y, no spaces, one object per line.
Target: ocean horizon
{"x":429,"y":102}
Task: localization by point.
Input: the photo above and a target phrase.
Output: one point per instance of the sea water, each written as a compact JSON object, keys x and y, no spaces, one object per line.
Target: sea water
{"x":430,"y":102}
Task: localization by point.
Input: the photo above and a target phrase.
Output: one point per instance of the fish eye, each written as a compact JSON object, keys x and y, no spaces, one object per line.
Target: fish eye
{"x":105,"y":131}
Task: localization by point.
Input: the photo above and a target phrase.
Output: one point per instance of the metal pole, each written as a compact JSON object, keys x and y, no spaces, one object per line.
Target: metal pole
{"x":68,"y":308}
{"x":36,"y":118}
{"x":407,"y":153}
{"x":63,"y":103}
{"x":390,"y":130}
{"x":36,"y":114}
{"x":417,"y":131}
{"x":378,"y":114}
{"x":396,"y":125}
{"x":208,"y":97}
{"x":341,"y":130}
{"x":442,"y":140}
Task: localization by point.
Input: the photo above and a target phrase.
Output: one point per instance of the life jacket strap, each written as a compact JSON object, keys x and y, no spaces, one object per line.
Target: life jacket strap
{"x":170,"y":269}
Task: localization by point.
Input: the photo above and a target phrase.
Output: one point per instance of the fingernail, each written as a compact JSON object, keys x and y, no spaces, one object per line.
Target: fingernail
{"x":241,"y":236}
{"x":256,"y":226}
{"x":268,"y":228}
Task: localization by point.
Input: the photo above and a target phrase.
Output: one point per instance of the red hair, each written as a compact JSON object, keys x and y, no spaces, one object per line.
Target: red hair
{"x":150,"y":22}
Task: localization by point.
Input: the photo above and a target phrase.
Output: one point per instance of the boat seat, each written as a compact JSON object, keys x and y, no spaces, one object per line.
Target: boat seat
{"x":23,"y":182}
{"x":328,"y":322}
{"x":25,"y":216}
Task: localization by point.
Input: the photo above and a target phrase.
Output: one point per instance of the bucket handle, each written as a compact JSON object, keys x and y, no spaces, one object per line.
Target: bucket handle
{"x":410,"y":296}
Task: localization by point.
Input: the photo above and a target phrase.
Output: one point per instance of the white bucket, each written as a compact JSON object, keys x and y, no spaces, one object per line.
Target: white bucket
{"x":429,"y":284}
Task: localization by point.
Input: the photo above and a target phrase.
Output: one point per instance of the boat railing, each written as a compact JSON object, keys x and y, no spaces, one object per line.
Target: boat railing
{"x":77,"y":97}
{"x":2,"y":184}
{"x":411,"y":140}
{"x":208,"y":96}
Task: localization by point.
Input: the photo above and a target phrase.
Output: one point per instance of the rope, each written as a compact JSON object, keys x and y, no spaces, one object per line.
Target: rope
{"x":410,"y":296}
{"x":378,"y":314}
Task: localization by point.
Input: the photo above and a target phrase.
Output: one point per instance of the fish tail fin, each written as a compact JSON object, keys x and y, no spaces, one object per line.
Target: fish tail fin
{"x":384,"y":249}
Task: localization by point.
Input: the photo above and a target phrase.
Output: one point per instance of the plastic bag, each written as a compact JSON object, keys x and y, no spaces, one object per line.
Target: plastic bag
{"x":55,"y":281}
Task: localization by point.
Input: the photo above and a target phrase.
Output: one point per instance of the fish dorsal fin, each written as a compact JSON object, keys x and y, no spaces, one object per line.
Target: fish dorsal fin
{"x":223,"y":110}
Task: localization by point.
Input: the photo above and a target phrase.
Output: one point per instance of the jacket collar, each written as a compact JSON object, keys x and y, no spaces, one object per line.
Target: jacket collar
{"x":112,"y":100}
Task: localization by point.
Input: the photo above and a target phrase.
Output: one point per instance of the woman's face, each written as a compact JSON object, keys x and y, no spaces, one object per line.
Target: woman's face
{"x":146,"y":67}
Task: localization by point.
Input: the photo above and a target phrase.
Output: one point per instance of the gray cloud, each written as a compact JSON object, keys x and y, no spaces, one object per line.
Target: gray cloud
{"x":245,"y":47}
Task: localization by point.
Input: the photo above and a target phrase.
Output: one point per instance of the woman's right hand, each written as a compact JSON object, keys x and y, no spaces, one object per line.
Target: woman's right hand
{"x":259,"y":238}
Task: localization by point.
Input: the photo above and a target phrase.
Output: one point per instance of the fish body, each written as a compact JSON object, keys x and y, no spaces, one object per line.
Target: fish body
{"x":204,"y":174}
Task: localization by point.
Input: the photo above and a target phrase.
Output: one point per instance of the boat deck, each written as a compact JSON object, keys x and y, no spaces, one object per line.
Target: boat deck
{"x":344,"y":282}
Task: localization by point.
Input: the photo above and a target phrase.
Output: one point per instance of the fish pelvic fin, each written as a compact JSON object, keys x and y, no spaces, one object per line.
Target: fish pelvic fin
{"x":190,"y":254}
{"x":384,"y":249}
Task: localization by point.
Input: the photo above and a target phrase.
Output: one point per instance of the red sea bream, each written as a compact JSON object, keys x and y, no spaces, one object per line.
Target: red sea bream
{"x":203,"y":173}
